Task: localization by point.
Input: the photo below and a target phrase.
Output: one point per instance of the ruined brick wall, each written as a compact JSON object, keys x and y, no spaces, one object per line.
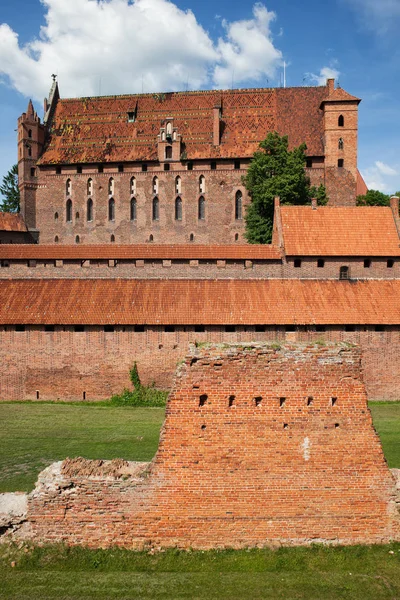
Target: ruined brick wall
{"x":94,"y":364}
{"x":219,"y":225}
{"x":261,"y":445}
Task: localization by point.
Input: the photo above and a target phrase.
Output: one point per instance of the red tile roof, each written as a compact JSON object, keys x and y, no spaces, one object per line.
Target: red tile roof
{"x":361,"y":185}
{"x":339,"y":231}
{"x":340,"y":95}
{"x":210,"y":302}
{"x":12,"y":222}
{"x":139,"y":251}
{"x":97,"y":129}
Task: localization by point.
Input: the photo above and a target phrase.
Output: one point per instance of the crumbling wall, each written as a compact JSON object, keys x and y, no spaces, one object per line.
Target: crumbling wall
{"x":261,"y":445}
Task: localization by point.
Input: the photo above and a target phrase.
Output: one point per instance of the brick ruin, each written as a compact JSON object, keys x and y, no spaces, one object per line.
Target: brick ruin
{"x":261,"y":445}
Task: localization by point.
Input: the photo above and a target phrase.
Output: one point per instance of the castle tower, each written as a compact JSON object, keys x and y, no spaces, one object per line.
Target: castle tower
{"x":341,"y":139}
{"x":30,"y":146}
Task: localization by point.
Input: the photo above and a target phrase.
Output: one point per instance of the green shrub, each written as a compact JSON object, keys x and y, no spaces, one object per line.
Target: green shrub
{"x":141,"y":395}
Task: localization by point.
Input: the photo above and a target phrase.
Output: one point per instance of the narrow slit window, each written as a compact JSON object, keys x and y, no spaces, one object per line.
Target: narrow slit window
{"x":68,"y":211}
{"x":202,"y":184}
{"x":231,"y":401}
{"x":156,"y":209}
{"x":133,"y":209}
{"x":178,"y":185}
{"x":111,"y":209}
{"x":257,"y":400}
{"x":111,"y":186}
{"x":238,"y":205}
{"x":203,"y":399}
{"x":89,"y":210}
{"x":202,"y":208}
{"x":133,"y":186}
{"x":178,"y":209}
{"x":341,"y":121}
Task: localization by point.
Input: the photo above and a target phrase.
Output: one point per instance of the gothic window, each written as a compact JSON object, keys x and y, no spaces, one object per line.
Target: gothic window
{"x":90,"y":187}
{"x":111,"y":186}
{"x":77,"y":240}
{"x":202,"y":208}
{"x":151,"y":238}
{"x":169,"y":129}
{"x":56,"y":239}
{"x":89,"y":210}
{"x":68,"y":212}
{"x":155,"y":185}
{"x":178,"y":209}
{"x":238,"y":205}
{"x":156,"y":209}
{"x":178,"y":185}
{"x":168,"y":152}
{"x":341,"y":144}
{"x":29,"y":151}
{"x":133,"y":209}
{"x":68,"y":187}
{"x":202,"y":184}
{"x":112,"y":239}
{"x":341,"y":121}
{"x":133,"y":186}
{"x":111,"y":209}
{"x":56,"y":216}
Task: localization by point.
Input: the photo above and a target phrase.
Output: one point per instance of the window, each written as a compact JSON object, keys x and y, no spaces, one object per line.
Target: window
{"x":29,"y":151}
{"x":151,"y":238}
{"x":367,"y":263}
{"x":108,"y":328}
{"x":133,"y":186}
{"x":77,"y":215}
{"x":139,"y":328}
{"x":112,"y":238}
{"x":30,"y":133}
{"x":238,"y":205}
{"x":178,"y":185}
{"x":341,"y":121}
{"x":379,"y":328}
{"x":169,"y":129}
{"x":320,"y":263}
{"x":89,"y":189}
{"x":133,"y":209}
{"x":259,"y":328}
{"x":320,"y":328}
{"x":202,"y":209}
{"x":390,"y":263}
{"x":340,"y":163}
{"x":77,"y":240}
{"x":199,"y":328}
{"x":100,"y":169}
{"x":236,"y":237}
{"x":58,"y":170}
{"x":79,"y":328}
{"x":120,"y":168}
{"x":144,"y":167}
{"x":166,"y":166}
{"x":20,"y":328}
{"x":349,"y":328}
{"x":190,"y":166}
{"x":79,"y":169}
{"x":68,"y":187}
{"x":56,"y":239}
{"x":309,"y":163}
{"x":56,"y":216}
{"x":191,"y":237}
{"x":155,"y":185}
{"x":178,"y":209}
{"x":49,"y":327}
{"x":213,"y":165}
{"x":344,"y":273}
{"x":33,"y":172}
{"x":89,"y":210}
{"x":341,"y":144}
{"x":111,"y":209}
{"x":168,"y":152}
{"x":169,"y":328}
{"x":68,"y":211}
{"x":202,"y":184}
{"x":297,"y":263}
{"x":237,"y":164}
{"x":156,"y":209}
{"x":111,"y":187}
{"x":131,"y":117}
{"x":230,"y":328}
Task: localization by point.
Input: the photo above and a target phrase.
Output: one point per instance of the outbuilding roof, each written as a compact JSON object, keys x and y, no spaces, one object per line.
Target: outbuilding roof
{"x":12,"y":222}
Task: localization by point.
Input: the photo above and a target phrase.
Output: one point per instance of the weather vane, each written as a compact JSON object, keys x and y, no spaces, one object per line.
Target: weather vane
{"x":54,"y":77}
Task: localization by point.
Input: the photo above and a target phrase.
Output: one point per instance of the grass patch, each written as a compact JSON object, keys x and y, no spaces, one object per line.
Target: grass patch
{"x":35,"y":435}
{"x":386,"y":417}
{"x":351,"y":573}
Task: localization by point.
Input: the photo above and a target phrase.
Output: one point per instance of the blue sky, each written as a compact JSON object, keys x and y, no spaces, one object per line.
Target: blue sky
{"x":117,"y":46}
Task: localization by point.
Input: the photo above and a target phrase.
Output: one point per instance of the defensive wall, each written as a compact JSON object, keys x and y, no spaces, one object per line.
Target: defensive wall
{"x":262,"y":444}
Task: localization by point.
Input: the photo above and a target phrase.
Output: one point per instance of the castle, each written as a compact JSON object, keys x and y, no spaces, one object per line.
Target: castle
{"x":137,"y":203}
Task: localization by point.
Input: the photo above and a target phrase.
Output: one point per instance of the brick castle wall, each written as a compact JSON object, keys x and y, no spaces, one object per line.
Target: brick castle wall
{"x":95,"y":364}
{"x":261,"y":445}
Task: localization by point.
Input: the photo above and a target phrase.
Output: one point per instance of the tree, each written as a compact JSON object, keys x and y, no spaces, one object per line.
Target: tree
{"x":276,"y":171}
{"x":373,"y":198}
{"x":10,"y":191}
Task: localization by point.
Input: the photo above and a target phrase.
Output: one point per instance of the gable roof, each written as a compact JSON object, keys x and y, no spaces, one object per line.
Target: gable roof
{"x":12,"y":222}
{"x":340,"y":95}
{"x":339,"y":231}
{"x":210,"y":302}
{"x":96,"y":129}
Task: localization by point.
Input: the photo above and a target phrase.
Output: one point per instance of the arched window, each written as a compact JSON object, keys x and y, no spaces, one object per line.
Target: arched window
{"x":341,"y":121}
{"x":77,"y":240}
{"x":178,"y":185}
{"x":68,"y":211}
{"x":236,"y":237}
{"x":89,"y":210}
{"x":133,"y":186}
{"x":155,"y":185}
{"x":238,"y":205}
{"x":29,"y":151}
{"x":56,"y":216}
{"x":111,"y":187}
{"x":68,"y":187}
{"x":178,"y":209}
{"x":56,"y":239}
{"x":169,"y":128}
{"x":151,"y":238}
{"x":89,"y":190}
{"x":111,"y":209}
{"x":191,"y":237}
{"x":202,"y":208}
{"x":341,"y":144}
{"x":202,"y":184}
{"x":112,"y":239}
{"x":133,"y":209}
{"x":168,"y":151}
{"x":156,"y":209}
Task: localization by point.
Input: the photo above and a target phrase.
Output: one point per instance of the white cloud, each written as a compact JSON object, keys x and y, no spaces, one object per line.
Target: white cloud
{"x":122,"y":46}
{"x":377,"y":15}
{"x":324,"y":74}
{"x":380,"y":177}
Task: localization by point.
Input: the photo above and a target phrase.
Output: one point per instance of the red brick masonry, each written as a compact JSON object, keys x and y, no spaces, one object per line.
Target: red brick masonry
{"x":261,"y":445}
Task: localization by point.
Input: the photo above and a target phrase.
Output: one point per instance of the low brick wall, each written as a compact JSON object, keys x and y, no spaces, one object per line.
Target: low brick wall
{"x":261,"y":445}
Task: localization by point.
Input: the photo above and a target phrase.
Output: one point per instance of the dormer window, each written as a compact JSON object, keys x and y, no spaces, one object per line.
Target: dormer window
{"x":131,"y":117}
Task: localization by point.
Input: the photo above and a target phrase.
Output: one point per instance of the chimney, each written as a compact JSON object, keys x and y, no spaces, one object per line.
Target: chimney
{"x":331,"y":86}
{"x":216,"y":125}
{"x":314,"y":203}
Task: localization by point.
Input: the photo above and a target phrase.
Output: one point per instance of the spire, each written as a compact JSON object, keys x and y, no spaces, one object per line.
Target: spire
{"x":30,"y":111}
